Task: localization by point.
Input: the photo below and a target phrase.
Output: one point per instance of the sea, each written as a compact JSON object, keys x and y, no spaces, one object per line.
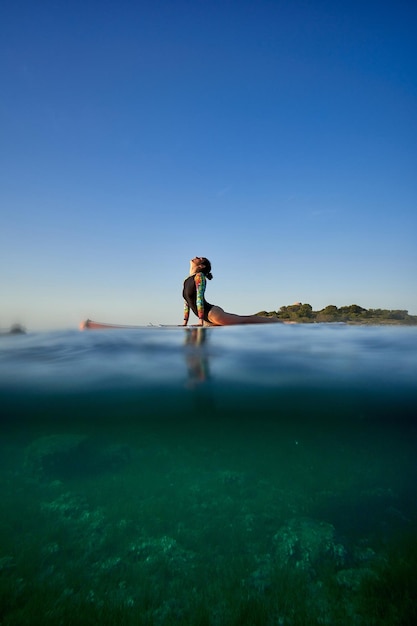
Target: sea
{"x":250,"y":475}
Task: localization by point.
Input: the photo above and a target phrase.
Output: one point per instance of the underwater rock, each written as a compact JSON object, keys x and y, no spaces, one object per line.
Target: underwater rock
{"x":260,"y":579}
{"x":67,"y":456}
{"x":55,"y":456}
{"x":114,"y":457}
{"x":306,"y":543}
{"x":67,"y":506}
{"x":353,"y":578}
{"x":232,"y":479}
{"x":164,"y":549}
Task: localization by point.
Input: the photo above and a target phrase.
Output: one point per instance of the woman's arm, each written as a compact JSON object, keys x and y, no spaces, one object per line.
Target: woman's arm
{"x":186,"y":313}
{"x":200,"y":286}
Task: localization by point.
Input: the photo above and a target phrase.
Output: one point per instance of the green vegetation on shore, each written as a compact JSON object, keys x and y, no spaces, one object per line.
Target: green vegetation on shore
{"x":352,"y":314}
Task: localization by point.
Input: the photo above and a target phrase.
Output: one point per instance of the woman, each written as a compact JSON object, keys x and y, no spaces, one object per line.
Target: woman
{"x":210,"y":314}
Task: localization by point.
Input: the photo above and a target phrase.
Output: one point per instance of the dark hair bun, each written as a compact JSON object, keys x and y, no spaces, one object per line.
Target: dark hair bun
{"x":209,"y":275}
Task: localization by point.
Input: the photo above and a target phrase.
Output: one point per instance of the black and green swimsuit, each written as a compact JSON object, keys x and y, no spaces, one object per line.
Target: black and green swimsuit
{"x":193,"y":294}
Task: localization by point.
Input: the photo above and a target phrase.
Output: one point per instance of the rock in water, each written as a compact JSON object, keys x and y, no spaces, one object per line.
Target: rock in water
{"x":64,"y":456}
{"x":306,"y":543}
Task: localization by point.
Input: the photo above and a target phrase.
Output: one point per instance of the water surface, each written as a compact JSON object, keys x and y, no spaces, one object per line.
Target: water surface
{"x":258,"y":475}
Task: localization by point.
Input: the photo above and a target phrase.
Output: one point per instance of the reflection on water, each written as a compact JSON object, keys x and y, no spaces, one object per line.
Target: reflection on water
{"x":206,"y":476}
{"x":196,"y":356}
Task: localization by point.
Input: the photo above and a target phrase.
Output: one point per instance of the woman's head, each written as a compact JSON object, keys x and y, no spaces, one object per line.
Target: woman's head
{"x":201,"y":264}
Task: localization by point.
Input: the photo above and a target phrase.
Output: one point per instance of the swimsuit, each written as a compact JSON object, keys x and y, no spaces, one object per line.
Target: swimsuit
{"x":193,"y":294}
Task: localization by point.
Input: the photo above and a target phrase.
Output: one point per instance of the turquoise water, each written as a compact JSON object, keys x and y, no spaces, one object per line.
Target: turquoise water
{"x":220,"y":476}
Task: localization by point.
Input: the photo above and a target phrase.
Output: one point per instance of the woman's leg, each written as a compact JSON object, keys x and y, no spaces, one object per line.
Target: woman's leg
{"x":217,"y":316}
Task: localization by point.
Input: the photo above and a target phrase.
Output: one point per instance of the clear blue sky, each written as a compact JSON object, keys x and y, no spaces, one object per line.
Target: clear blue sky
{"x":277,"y":138}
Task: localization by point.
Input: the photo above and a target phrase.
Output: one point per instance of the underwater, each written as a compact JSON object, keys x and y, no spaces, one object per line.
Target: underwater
{"x":260,"y":475}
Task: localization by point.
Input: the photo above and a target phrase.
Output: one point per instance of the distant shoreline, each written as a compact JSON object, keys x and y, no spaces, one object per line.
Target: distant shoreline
{"x":352,"y":315}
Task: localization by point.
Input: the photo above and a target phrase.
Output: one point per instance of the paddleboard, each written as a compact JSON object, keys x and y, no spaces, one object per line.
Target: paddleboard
{"x":92,"y":325}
